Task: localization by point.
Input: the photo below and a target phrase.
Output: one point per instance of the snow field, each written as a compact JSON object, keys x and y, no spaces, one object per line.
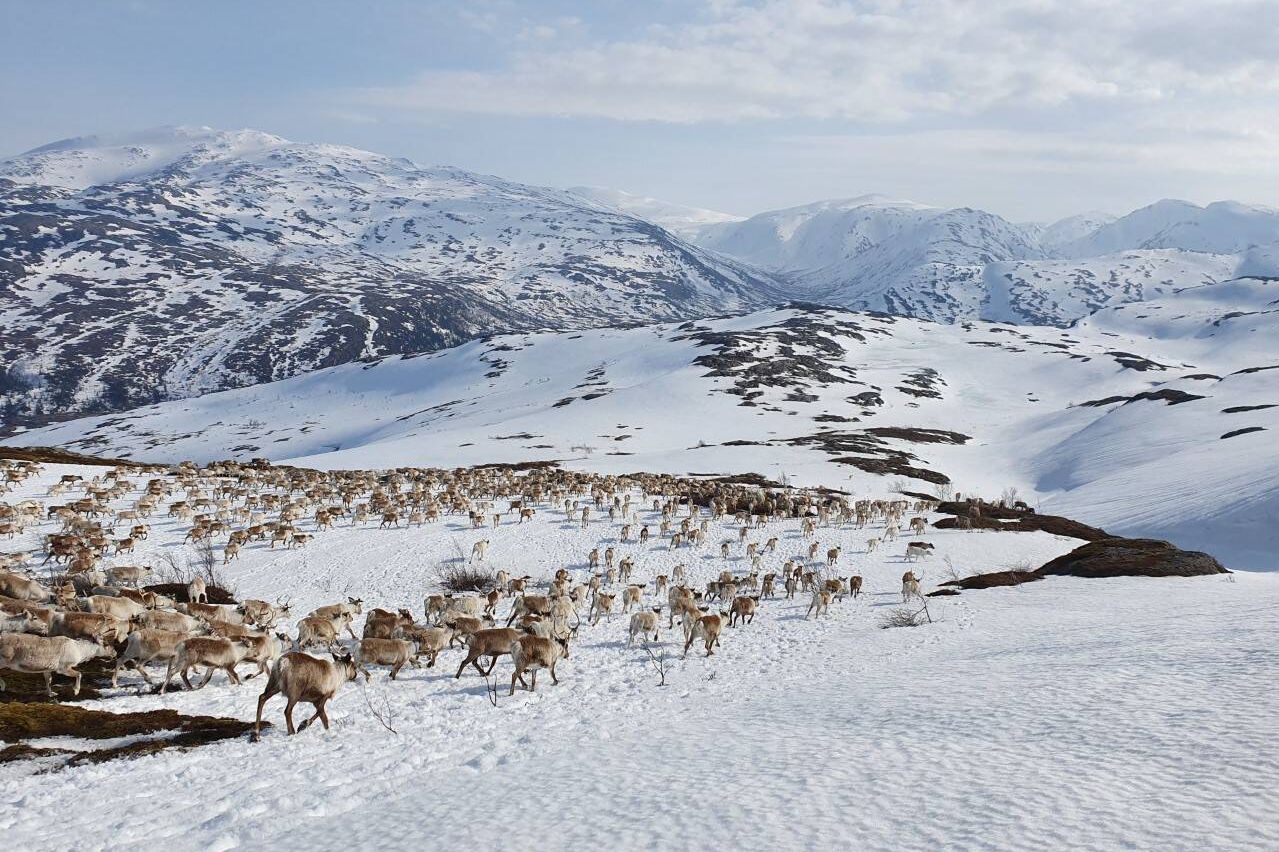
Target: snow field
{"x":1088,"y":714}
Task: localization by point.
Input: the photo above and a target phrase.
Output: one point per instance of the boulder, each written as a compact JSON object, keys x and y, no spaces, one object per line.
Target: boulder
{"x":1131,"y":557}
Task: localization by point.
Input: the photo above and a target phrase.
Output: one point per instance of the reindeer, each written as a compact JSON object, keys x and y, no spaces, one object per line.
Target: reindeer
{"x":302,"y":677}
{"x":708,"y":627}
{"x":918,"y":550}
{"x":632,"y":596}
{"x":820,"y":602}
{"x":910,"y":586}
{"x":384,"y":652}
{"x":212,"y":652}
{"x":600,"y":606}
{"x":493,"y":643}
{"x":198,"y":591}
{"x":28,"y":654}
{"x":147,"y":646}
{"x":742,"y":609}
{"x":644,"y":623}
{"x":530,"y":653}
{"x":132,"y":575}
{"x":430,"y":641}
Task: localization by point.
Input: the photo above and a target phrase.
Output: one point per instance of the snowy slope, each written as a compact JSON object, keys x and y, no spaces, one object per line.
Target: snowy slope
{"x":686,"y":222}
{"x":1071,"y":228}
{"x":816,"y":396}
{"x":1223,"y":227}
{"x":1023,"y":717}
{"x":178,"y":261}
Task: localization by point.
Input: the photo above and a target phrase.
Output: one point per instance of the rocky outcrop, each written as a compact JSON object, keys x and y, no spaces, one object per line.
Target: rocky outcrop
{"x":1131,"y":557}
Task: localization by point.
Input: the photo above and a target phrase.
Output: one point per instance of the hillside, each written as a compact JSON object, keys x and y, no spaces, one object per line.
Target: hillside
{"x":179,"y":261}
{"x":1096,"y":419}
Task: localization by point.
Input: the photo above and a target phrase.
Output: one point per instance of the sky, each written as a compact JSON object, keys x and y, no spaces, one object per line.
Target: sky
{"x":1028,"y":108}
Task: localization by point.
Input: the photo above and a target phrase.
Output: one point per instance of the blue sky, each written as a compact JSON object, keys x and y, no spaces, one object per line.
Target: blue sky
{"x":1031,"y":109}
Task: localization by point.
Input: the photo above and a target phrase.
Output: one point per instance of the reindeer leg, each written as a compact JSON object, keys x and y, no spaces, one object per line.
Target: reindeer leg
{"x":266,"y":696}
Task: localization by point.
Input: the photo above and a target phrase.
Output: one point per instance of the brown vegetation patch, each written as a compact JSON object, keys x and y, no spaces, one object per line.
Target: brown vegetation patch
{"x":178,"y":591}
{"x":994,"y":579}
{"x":56,"y":455}
{"x":20,"y":722}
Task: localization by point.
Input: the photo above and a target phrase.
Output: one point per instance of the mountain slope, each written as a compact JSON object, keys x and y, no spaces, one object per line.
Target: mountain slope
{"x":1114,"y":420}
{"x":185,"y":260}
{"x":1223,"y":227}
{"x":874,"y":253}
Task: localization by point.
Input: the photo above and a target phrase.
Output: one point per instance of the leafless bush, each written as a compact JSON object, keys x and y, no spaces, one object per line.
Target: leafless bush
{"x":902,"y":616}
{"x":381,"y":709}
{"x":199,"y":561}
{"x":944,"y":491}
{"x":1008,"y":497}
{"x":171,"y":569}
{"x":658,"y":662}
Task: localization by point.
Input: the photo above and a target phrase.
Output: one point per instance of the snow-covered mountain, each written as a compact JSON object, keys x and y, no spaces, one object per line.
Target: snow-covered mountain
{"x":184,"y":260}
{"x":1144,"y":419}
{"x":876,"y":253}
{"x":687,"y":222}
{"x":1071,"y":228}
{"x":1224,"y":227}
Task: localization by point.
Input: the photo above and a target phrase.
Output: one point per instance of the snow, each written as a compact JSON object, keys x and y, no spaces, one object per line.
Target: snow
{"x":1223,"y":227}
{"x":1064,"y":713}
{"x":638,"y":401}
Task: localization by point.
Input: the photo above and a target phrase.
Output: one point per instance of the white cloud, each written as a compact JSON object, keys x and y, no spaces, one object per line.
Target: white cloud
{"x":875,"y":61}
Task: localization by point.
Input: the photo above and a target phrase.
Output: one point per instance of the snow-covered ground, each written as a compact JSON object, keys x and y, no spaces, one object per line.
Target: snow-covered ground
{"x":1055,"y":413}
{"x":1072,"y":713}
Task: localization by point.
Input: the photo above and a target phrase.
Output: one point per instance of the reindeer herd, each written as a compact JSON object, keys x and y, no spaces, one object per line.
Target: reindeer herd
{"x":62,"y":605}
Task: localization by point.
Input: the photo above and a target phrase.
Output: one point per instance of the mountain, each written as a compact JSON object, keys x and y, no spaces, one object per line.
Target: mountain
{"x":1143,"y":419}
{"x":876,"y":253}
{"x":687,"y":222}
{"x":1072,"y":228}
{"x":179,"y":261}
{"x":1224,"y":227}
{"x":949,"y":265}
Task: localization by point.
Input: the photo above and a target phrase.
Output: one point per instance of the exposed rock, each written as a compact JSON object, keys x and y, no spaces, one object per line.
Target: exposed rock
{"x":1132,"y":557}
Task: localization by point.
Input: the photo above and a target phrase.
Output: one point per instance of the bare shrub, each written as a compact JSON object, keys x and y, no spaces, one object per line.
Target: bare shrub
{"x":199,"y":561}
{"x":658,"y":661}
{"x":464,"y":578}
{"x":944,"y":491}
{"x":1008,"y":497}
{"x":902,"y":616}
{"x":381,"y":709}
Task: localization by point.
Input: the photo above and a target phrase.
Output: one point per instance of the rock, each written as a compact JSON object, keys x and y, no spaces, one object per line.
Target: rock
{"x":994,"y":517}
{"x":1131,"y":557}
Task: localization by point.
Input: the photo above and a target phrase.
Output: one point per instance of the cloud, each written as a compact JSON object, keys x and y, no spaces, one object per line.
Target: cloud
{"x":873,"y":62}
